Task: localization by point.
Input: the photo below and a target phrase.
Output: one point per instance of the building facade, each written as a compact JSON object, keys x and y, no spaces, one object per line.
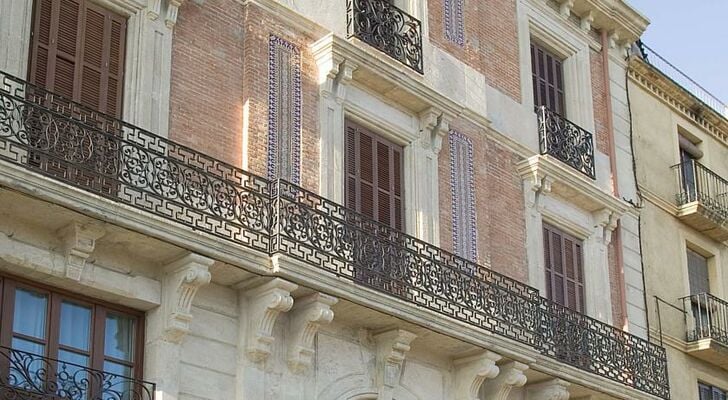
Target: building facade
{"x":682,"y":165}
{"x":361,"y":199}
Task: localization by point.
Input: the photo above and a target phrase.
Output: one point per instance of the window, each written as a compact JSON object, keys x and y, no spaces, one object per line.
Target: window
{"x":548,"y":79}
{"x":698,"y":273}
{"x":78,"y":52}
{"x":373,"y":176}
{"x":75,"y":330}
{"x":689,"y":153}
{"x":707,"y":392}
{"x":564,"y":270}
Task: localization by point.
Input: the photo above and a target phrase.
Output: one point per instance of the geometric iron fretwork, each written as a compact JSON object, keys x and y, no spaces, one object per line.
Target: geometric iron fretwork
{"x":110,"y":158}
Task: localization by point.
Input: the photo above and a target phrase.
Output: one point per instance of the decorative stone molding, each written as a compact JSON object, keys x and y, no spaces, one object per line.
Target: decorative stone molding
{"x":180,"y":283}
{"x":555,"y":389}
{"x":434,"y":125}
{"x":307,"y":317}
{"x":392,"y":346}
{"x":511,"y":375}
{"x":472,"y":371}
{"x":606,"y":221}
{"x":265,"y":302}
{"x":585,"y":22}
{"x":565,"y":7}
{"x":172,"y":12}
{"x":154,"y":8}
{"x":79,"y":242}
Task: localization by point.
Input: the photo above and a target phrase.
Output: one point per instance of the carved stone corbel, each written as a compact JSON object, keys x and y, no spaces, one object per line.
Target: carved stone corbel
{"x":392,"y":346}
{"x":172,"y":12}
{"x":606,"y":223}
{"x":555,"y":389}
{"x":511,"y":375}
{"x":434,"y":126}
{"x":180,"y":283}
{"x":335,"y":72}
{"x":79,"y":242}
{"x":586,"y":20}
{"x":307,"y":317}
{"x":539,"y":185}
{"x":565,"y":7}
{"x":472,"y":371}
{"x":154,"y":8}
{"x":265,"y":302}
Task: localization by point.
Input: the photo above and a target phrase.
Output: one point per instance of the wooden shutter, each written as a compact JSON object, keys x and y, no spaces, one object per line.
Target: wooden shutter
{"x":563,"y":258}
{"x":698,"y":273}
{"x":373,"y":176}
{"x":78,"y":52}
{"x":548,"y":79}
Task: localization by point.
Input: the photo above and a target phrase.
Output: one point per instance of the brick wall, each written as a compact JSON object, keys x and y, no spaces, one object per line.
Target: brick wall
{"x":599,"y":97}
{"x":491,"y":41}
{"x":220,"y":67}
{"x":499,"y":204}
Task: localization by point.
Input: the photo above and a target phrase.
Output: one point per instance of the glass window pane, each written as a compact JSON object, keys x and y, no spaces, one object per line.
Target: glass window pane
{"x":28,"y":346}
{"x":27,"y":370}
{"x":29,"y":317}
{"x":72,"y":378}
{"x":118,"y":385}
{"x":119,"y":337}
{"x":75,"y":330}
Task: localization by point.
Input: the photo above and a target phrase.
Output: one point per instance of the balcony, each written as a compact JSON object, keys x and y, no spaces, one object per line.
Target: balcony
{"x":566,"y":141}
{"x":703,"y":199}
{"x":386,"y":28}
{"x":48,"y":135}
{"x":707,"y":328}
{"x":31,"y":377}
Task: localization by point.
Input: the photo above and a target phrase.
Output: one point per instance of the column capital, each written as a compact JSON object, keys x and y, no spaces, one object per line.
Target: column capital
{"x":472,"y":371}
{"x":511,"y":375}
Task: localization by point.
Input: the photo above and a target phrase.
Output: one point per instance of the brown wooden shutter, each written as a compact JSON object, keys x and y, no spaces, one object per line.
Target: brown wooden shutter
{"x":548,"y":79}
{"x":698,"y":276}
{"x":563,"y":258}
{"x":373,"y":176}
{"x":78,"y":52}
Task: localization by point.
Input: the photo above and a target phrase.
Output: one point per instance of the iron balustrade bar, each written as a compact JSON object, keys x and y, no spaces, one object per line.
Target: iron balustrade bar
{"x":29,"y":376}
{"x":388,"y":29}
{"x":57,"y":138}
{"x":566,"y":141}
{"x":706,"y":317}
{"x":681,"y":79}
{"x":698,"y":183}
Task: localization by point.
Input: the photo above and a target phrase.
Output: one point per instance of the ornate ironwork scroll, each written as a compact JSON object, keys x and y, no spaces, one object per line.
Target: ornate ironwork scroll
{"x":138,"y":169}
{"x":566,"y":141}
{"x":32,"y":377}
{"x":386,"y":28}
{"x":699,"y":183}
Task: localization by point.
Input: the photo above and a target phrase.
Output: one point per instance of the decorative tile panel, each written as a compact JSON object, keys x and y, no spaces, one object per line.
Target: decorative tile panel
{"x":284,"y":110}
{"x":454,"y":22}
{"x":464,"y":228}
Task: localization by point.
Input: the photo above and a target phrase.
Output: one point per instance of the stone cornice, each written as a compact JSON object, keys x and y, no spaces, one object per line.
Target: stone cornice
{"x":614,"y":16}
{"x":679,"y":99}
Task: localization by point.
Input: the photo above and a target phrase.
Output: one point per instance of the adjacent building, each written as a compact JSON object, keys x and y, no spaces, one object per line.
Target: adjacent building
{"x":307,"y":199}
{"x":681,"y":154}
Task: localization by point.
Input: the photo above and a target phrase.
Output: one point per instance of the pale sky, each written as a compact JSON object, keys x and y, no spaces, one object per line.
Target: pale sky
{"x":693,"y":36}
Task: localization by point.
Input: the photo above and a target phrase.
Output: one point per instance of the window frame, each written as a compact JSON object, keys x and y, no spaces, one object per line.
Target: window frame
{"x":100,"y":309}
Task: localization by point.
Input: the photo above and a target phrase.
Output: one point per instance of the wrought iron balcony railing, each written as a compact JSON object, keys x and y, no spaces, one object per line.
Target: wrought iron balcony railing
{"x":698,"y":183}
{"x":566,"y":141}
{"x":388,"y":29}
{"x":706,"y":317}
{"x":31,"y":377}
{"x":65,"y":141}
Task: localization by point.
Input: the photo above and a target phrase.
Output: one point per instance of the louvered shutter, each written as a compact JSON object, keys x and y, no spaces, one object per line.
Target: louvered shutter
{"x":698,"y":273}
{"x":548,"y":79}
{"x":373,"y":176}
{"x":563,"y":259}
{"x":78,"y":52}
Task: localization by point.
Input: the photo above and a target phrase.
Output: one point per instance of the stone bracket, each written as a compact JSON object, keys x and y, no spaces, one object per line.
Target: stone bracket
{"x":392,"y":346}
{"x":607,"y":222}
{"x":265,"y":302}
{"x":181,"y":281}
{"x":307,"y":316}
{"x":555,"y":389}
{"x":511,"y":375}
{"x":154,"y":8}
{"x":172,"y":12}
{"x":434,"y":125}
{"x":79,"y":242}
{"x":472,"y":371}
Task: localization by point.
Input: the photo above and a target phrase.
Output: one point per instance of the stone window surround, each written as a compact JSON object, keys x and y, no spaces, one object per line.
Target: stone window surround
{"x":148,"y":37}
{"x":709,"y":250}
{"x":549,"y":31}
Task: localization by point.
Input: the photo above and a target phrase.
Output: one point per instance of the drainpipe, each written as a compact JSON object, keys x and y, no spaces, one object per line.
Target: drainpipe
{"x":618,"y":253}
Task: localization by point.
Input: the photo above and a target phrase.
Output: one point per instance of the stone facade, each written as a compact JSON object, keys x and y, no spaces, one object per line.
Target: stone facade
{"x":266,"y":86}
